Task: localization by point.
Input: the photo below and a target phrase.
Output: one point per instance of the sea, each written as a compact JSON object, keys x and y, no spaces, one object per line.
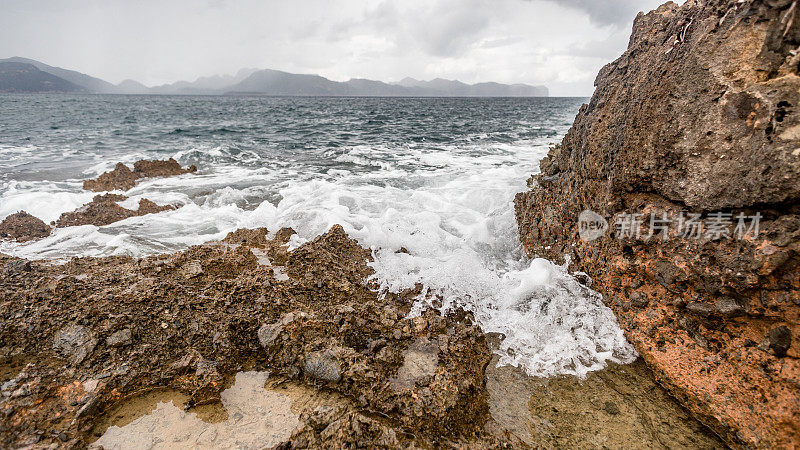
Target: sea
{"x":436,"y":176}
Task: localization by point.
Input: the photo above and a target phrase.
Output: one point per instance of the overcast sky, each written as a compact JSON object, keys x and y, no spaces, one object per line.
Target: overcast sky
{"x":559,"y":43}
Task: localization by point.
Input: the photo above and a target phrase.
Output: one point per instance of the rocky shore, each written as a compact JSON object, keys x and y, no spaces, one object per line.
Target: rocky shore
{"x":96,"y":341}
{"x":185,"y":321}
{"x":696,"y":123}
{"x":698,"y":116}
{"x":119,"y":351}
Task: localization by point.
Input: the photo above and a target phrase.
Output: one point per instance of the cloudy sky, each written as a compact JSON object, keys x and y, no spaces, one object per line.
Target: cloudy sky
{"x":559,"y":43}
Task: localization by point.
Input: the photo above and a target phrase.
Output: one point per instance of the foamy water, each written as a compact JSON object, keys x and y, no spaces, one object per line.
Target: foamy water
{"x":443,"y":194}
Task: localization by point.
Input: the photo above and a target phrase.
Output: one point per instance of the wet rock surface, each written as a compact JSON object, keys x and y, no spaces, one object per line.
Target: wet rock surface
{"x":104,"y":210}
{"x":82,"y":337}
{"x":123,"y":178}
{"x":699,"y":115}
{"x":23,"y":227}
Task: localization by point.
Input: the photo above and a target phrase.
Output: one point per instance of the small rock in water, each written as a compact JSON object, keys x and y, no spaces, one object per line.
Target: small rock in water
{"x":23,"y":227}
{"x":583,"y":278}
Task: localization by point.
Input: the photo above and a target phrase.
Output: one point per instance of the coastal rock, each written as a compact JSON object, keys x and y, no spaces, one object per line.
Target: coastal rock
{"x":700,"y":115}
{"x":123,"y":178}
{"x":104,"y":210}
{"x":160,"y":168}
{"x":323,"y":365}
{"x":23,"y":227}
{"x":120,"y":338}
{"x":324,"y":326}
{"x":419,"y":361}
{"x":269,"y":332}
{"x":75,"y":342}
{"x":780,"y":339}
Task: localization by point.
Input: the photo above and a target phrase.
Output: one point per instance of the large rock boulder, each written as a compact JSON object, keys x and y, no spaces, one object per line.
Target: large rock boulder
{"x":700,"y":115}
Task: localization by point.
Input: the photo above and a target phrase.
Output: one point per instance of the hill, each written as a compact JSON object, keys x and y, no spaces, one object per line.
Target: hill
{"x":23,"y":77}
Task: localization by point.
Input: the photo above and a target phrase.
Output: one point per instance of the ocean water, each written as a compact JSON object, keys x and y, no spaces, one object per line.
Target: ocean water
{"x":435,"y":176}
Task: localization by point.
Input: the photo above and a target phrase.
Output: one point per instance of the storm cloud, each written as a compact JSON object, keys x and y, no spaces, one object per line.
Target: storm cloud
{"x":559,"y":43}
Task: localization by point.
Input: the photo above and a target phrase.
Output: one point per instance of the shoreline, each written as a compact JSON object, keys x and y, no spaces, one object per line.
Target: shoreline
{"x":104,"y":329}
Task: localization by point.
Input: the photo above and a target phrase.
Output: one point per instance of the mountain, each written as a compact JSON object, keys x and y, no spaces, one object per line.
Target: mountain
{"x":23,"y":77}
{"x":204,"y":85}
{"x":130,"y":87}
{"x":274,"y":82}
{"x":261,"y":82}
{"x":440,"y":86}
{"x":91,"y":84}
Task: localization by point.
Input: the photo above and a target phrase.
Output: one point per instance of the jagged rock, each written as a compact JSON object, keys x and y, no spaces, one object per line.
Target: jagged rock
{"x":269,"y":332}
{"x":19,"y":265}
{"x":23,"y":227}
{"x":123,"y":178}
{"x":325,"y":426}
{"x":75,"y":342}
{"x":728,"y":307}
{"x":701,"y":114}
{"x":160,"y":168}
{"x":104,"y":210}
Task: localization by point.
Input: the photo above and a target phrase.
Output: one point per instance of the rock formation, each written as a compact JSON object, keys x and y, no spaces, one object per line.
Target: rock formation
{"x":123,"y":178}
{"x":23,"y":227}
{"x":104,"y":210}
{"x":185,"y":321}
{"x":700,"y":115}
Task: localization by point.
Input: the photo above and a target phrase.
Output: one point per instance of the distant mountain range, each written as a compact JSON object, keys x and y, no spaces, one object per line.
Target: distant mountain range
{"x":27,"y":75}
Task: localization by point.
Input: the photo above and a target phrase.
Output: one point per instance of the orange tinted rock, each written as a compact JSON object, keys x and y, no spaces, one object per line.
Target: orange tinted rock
{"x":696,"y":116}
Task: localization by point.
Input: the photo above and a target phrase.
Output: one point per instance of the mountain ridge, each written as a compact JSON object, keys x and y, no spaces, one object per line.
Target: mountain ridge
{"x":270,"y":82}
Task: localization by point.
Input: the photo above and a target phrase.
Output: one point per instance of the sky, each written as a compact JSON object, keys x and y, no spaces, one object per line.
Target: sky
{"x":558,"y":43}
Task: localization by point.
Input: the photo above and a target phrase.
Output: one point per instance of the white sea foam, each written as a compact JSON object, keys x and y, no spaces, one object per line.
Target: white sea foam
{"x":449,"y":207}
{"x":44,"y":200}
